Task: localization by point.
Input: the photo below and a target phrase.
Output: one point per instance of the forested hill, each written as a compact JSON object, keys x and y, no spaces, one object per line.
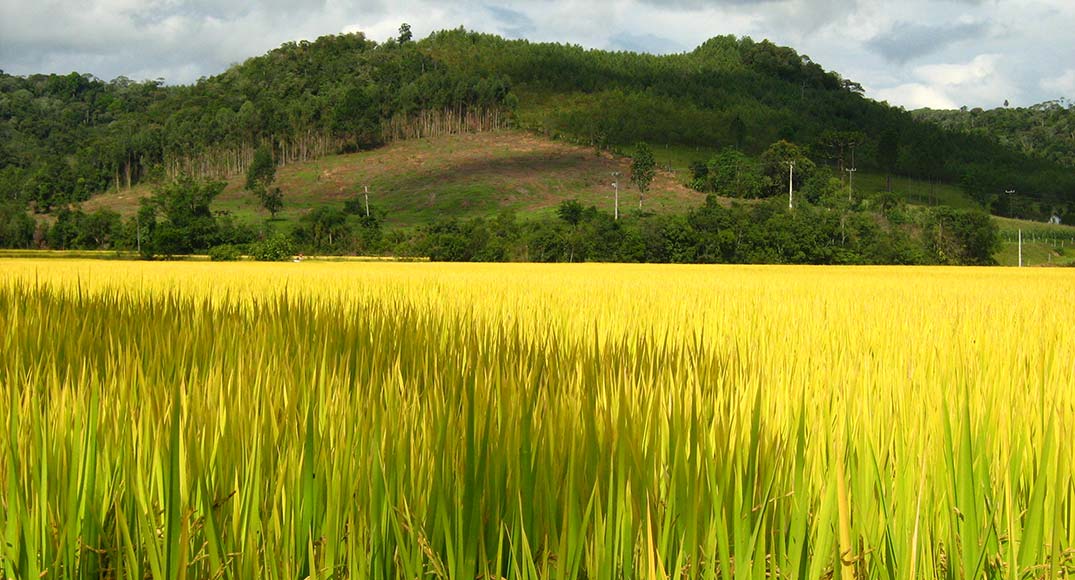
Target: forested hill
{"x":66,"y":138}
{"x":1044,"y":130}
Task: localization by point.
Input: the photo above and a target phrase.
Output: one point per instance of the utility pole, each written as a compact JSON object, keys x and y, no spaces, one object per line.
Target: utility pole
{"x":138,"y":231}
{"x":1020,"y":248}
{"x":366,"y":189}
{"x":1010,"y":193}
{"x":791,"y":183}
{"x":616,"y":187}
{"x":850,"y":181}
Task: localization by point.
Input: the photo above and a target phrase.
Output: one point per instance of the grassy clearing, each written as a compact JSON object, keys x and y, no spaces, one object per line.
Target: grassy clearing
{"x":916,"y":192}
{"x":195,"y":420}
{"x":460,"y":176}
{"x":1009,"y":226}
{"x":71,"y":254}
{"x":1043,"y":244}
{"x":1036,"y":254}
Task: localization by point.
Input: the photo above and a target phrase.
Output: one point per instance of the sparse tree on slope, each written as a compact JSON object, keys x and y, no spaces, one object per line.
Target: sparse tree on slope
{"x":570,"y":211}
{"x":643,"y":170}
{"x":259,"y":179}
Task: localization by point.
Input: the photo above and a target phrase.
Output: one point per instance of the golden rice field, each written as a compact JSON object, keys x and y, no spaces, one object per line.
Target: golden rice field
{"x":199,"y":420}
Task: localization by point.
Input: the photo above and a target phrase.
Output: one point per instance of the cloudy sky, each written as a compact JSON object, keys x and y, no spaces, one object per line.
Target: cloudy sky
{"x":912,"y":53}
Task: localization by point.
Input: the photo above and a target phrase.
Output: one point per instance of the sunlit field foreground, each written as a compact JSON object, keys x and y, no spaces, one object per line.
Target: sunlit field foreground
{"x":198,"y":420}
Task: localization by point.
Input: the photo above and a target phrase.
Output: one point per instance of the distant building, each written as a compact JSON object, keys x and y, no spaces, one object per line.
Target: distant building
{"x":1055,"y":220}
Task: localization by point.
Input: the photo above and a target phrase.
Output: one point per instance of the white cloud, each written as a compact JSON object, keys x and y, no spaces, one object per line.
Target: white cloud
{"x":976,"y":72}
{"x":916,"y":96}
{"x":1064,"y":84}
{"x":981,"y":82}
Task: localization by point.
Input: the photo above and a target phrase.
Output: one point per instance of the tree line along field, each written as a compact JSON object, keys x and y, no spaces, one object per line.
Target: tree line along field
{"x":194,"y":420}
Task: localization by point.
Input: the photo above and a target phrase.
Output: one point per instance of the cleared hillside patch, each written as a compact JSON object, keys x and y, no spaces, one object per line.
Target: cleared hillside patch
{"x":417,"y":181}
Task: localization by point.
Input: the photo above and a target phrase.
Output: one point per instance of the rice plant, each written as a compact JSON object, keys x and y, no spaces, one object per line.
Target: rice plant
{"x":191,"y":420}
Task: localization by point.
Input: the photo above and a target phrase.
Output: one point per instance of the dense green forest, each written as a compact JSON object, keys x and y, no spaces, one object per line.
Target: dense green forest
{"x":1045,"y":130}
{"x":65,"y":138}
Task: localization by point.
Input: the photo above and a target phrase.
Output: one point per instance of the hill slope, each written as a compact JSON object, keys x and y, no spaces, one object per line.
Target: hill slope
{"x":415,"y":181}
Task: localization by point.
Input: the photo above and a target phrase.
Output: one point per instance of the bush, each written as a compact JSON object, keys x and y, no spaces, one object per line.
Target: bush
{"x":277,"y":248}
{"x":16,"y":227}
{"x":224,"y":253}
{"x":355,"y":205}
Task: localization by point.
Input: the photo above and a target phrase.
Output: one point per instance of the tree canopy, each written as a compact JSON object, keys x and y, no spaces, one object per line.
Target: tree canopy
{"x":643,"y":170}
